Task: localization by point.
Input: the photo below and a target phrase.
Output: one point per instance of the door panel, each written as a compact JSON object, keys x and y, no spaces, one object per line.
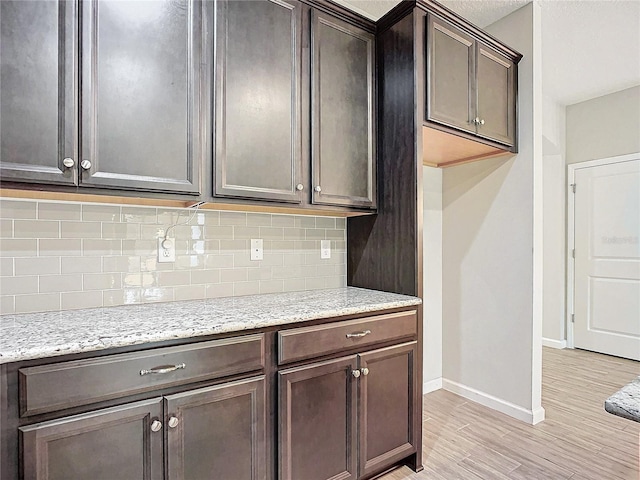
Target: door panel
{"x":37,"y":91}
{"x":317,"y":419}
{"x":607,"y":259}
{"x":111,"y":443}
{"x":496,"y":96}
{"x":258,"y":77}
{"x":144,"y":90}
{"x":343,"y":150}
{"x":386,"y":407}
{"x":220,"y":432}
{"x":451,"y":90}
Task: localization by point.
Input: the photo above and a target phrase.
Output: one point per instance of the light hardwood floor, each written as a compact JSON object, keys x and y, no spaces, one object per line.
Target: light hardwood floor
{"x":578,"y":439}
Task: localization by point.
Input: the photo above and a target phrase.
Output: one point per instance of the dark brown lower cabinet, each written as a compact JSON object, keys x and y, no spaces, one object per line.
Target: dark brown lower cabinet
{"x":217,"y":432}
{"x":211,"y":432}
{"x":347,"y":418}
{"x":102,"y":445}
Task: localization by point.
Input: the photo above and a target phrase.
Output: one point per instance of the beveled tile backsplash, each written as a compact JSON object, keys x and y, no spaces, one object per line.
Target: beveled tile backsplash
{"x":67,"y":255}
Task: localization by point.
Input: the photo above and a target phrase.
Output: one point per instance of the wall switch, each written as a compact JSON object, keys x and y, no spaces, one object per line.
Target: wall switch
{"x":257,"y":252}
{"x":325,"y":249}
{"x":166,"y":250}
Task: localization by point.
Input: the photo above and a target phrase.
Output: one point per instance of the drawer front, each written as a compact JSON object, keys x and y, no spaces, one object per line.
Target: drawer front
{"x":309,"y":342}
{"x":63,"y":385}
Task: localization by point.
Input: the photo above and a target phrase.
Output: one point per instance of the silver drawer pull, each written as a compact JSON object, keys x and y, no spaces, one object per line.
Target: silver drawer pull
{"x":364,"y":333}
{"x":163,"y":369}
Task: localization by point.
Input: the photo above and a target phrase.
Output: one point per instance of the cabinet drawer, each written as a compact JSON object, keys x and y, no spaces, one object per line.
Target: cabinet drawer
{"x":308,"y":342}
{"x":63,"y":385}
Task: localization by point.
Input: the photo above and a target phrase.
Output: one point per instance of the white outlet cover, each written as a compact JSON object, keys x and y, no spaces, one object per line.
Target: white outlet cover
{"x":325,"y":249}
{"x":166,"y":250}
{"x":257,"y":252}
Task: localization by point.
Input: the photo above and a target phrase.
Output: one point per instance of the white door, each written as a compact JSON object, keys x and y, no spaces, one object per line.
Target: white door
{"x":607,"y":259}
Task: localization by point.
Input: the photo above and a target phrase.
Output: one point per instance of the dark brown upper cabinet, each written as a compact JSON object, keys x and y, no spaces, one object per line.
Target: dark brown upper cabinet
{"x":258,"y":150}
{"x":470,"y":96}
{"x":343,"y":118}
{"x":38,"y":104}
{"x":294,"y":103}
{"x":138,"y":121}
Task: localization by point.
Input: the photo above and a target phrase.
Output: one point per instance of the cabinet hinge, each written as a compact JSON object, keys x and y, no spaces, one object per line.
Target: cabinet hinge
{"x":573,"y":318}
{"x":573,"y":187}
{"x":573,"y":253}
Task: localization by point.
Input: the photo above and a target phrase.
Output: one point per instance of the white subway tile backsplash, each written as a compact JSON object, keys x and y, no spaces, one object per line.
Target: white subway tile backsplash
{"x":6,"y":267}
{"x":246,"y":288}
{"x":66,"y":255}
{"x":37,"y":265}
{"x":6,"y":228}
{"x":81,"y":230}
{"x":41,"y":302}
{"x":7,"y":304}
{"x":18,"y":285}
{"x":100,"y":213}
{"x":36,"y":229}
{"x":60,"y":248}
{"x":76,"y":300}
{"x":15,"y":209}
{"x":60,"y":283}
{"x":59,"y":211}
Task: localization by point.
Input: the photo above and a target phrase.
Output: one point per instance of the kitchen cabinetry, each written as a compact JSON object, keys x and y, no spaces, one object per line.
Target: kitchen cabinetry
{"x":343,"y":118}
{"x":351,"y":417}
{"x":265,"y":79}
{"x":194,"y":432}
{"x":470,"y":86}
{"x":137,"y":121}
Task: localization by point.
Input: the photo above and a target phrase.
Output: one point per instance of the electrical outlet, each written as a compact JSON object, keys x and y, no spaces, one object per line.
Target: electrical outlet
{"x":257,"y":253}
{"x":325,"y":249}
{"x":166,"y":250}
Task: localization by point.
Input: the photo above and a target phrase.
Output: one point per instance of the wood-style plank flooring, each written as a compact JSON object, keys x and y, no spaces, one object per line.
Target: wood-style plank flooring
{"x":577,"y":441}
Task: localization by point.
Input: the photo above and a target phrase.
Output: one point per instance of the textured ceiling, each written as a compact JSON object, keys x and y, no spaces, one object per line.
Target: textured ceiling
{"x":589,"y":47}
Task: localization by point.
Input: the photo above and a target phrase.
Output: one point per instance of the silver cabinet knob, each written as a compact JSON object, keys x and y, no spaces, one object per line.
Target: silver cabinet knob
{"x":68,"y":162}
{"x":318,"y":189}
{"x":365,"y":371}
{"x":482,"y":121}
{"x":173,"y":422}
{"x":156,"y":426}
{"x":299,"y":187}
{"x":355,"y":373}
{"x":86,"y":164}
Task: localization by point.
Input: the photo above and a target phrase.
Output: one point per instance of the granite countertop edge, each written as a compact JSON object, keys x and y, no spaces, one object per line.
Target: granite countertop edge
{"x":51,"y":334}
{"x":626,"y":401}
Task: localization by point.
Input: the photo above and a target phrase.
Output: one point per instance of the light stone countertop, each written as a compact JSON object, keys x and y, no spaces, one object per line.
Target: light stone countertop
{"x":626,"y":401}
{"x":48,"y":334}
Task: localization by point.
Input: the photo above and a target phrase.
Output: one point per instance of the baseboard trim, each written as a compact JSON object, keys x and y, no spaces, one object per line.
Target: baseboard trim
{"x":550,"y":342}
{"x":529,"y":416}
{"x":432,"y":385}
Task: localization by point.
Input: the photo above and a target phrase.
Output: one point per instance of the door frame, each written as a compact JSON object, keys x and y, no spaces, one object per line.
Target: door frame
{"x":571,"y":205}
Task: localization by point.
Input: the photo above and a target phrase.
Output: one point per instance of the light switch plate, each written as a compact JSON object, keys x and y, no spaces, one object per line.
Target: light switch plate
{"x":166,"y":250}
{"x":325,"y":249}
{"x":257,"y":252}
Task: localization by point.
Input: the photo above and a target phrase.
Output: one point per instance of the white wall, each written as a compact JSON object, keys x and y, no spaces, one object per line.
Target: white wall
{"x":554,"y":224}
{"x":432,"y":270}
{"x":492,"y":325}
{"x":603,"y":127}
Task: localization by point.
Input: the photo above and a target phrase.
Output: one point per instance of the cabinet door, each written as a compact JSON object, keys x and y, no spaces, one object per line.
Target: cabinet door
{"x":37,"y":99}
{"x":257,"y":100}
{"x":111,"y":443}
{"x":217,"y":432}
{"x":451,"y":72}
{"x":496,"y":84}
{"x":144,"y":94}
{"x":387,"y":403}
{"x":317,"y":421}
{"x":343,"y":106}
